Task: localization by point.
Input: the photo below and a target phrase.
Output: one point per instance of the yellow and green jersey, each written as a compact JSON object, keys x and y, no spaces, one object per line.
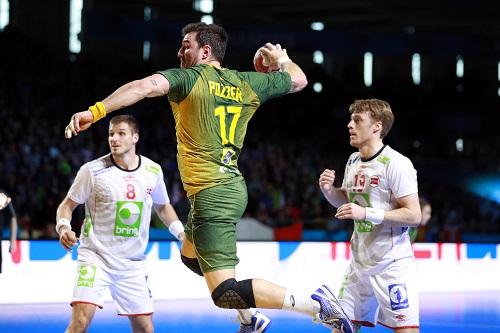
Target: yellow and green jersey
{"x":212,"y":108}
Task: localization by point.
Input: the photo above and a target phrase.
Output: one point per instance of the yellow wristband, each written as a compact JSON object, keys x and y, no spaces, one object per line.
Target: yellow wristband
{"x":98,"y":111}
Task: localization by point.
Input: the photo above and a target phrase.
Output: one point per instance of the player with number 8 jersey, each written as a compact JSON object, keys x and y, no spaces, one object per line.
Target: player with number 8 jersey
{"x":118,"y":206}
{"x":119,"y":191}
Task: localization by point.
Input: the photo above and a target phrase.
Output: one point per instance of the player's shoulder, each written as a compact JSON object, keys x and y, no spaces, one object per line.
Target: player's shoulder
{"x":353,"y":158}
{"x":391,"y":156}
{"x":150,"y":166}
{"x":100,"y":163}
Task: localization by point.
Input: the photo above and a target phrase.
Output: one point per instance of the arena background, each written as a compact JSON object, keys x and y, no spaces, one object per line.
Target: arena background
{"x":436,"y":62}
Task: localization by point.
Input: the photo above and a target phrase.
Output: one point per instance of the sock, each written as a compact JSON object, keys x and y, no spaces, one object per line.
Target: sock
{"x":300,"y":303}
{"x":245,"y":315}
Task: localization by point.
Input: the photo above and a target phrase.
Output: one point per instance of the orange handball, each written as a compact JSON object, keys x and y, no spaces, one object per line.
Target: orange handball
{"x":261,"y":63}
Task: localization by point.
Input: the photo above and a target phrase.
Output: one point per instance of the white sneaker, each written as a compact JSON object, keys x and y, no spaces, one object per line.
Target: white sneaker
{"x":259,"y":324}
{"x":331,"y":313}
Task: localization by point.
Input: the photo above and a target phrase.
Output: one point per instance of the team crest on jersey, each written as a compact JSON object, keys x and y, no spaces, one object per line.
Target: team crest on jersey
{"x":398,"y":296}
{"x":128,"y":218}
{"x":227,"y":155}
{"x":374,"y":181}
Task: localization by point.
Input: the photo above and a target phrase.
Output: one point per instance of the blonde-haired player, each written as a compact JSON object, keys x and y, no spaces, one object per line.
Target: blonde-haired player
{"x":118,"y":190}
{"x":380,"y":193}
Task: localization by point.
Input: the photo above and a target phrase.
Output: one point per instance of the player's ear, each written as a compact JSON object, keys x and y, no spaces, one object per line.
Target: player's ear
{"x":206,"y":52}
{"x":135,"y":137}
{"x":377,"y":127}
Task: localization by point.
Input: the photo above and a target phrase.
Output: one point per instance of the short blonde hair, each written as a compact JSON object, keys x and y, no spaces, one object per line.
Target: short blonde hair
{"x":378,"y":109}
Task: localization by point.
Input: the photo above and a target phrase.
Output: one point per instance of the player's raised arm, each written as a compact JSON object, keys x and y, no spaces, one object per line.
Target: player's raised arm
{"x":278,"y":59}
{"x":128,"y":94}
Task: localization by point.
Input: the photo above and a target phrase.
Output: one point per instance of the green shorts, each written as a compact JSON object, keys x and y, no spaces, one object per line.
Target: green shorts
{"x":211,"y":225}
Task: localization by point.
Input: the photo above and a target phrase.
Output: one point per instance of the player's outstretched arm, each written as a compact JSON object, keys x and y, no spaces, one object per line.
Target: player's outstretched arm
{"x":278,"y":59}
{"x":128,"y":94}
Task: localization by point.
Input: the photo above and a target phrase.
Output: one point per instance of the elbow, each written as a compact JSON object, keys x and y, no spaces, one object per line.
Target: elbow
{"x":141,"y":88}
{"x":416,"y":219}
{"x":299,"y":83}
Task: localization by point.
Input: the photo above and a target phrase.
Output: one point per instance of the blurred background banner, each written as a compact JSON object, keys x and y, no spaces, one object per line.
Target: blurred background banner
{"x":45,"y":272}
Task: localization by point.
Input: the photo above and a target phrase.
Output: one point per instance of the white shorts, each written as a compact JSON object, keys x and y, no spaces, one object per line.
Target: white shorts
{"x":389,"y":297}
{"x":129,"y":289}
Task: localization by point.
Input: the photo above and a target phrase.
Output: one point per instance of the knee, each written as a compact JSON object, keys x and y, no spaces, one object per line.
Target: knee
{"x":145,"y":328}
{"x":79,"y":323}
{"x":232,"y":294}
{"x":192,"y":264}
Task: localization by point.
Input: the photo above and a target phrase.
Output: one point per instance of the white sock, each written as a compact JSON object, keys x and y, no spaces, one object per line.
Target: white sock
{"x":302,"y":303}
{"x":245,"y":315}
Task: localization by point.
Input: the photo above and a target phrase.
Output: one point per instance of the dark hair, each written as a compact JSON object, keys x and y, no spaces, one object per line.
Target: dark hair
{"x":209,"y":34}
{"x":379,"y":111}
{"x":126,"y":118}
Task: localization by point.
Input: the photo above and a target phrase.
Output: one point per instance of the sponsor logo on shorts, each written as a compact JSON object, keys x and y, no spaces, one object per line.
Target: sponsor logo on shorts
{"x":398,"y":296}
{"x":128,"y":218}
{"x":86,"y":276}
{"x":400,"y":317}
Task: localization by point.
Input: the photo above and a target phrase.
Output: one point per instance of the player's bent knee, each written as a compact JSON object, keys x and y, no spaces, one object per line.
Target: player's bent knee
{"x":192,"y":264}
{"x":232,"y":294}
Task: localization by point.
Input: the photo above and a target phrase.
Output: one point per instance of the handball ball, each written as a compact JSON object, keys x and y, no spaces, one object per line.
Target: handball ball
{"x":260,"y":62}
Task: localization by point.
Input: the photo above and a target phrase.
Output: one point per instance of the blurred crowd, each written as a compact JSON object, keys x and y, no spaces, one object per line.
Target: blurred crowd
{"x":289,"y":143}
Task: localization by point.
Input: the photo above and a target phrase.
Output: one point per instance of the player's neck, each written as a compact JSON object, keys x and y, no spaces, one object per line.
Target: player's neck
{"x":214,"y":63}
{"x":127,"y":161}
{"x":370,"y":149}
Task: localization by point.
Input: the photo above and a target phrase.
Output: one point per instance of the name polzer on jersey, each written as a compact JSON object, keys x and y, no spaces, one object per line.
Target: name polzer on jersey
{"x":117,"y":210}
{"x":212,"y":108}
{"x":377,"y":183}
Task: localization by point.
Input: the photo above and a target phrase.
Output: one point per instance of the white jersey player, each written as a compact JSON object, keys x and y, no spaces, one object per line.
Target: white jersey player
{"x":380,"y":193}
{"x":118,"y":190}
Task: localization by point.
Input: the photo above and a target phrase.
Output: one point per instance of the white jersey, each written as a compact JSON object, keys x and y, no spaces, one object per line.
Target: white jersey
{"x":117,"y":210}
{"x":377,"y":183}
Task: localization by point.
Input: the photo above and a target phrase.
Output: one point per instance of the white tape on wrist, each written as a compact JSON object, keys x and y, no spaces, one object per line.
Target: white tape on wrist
{"x":175,"y":228}
{"x":62,"y":222}
{"x":374,"y":215}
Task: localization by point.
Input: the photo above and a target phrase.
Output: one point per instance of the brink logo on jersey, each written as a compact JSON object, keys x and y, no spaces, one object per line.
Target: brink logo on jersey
{"x":128,"y":218}
{"x":227,"y":92}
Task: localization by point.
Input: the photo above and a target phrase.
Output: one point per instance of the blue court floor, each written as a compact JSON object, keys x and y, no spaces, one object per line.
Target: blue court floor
{"x":440,"y":312}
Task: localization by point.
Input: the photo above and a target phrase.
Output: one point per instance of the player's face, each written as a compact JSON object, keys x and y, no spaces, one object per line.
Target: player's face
{"x":363,"y":129}
{"x":190,"y":53}
{"x":426,"y":214}
{"x":121,"y":139}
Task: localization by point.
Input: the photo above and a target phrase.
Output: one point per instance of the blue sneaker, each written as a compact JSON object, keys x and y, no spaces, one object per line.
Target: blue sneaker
{"x":259,"y":324}
{"x":331,"y":313}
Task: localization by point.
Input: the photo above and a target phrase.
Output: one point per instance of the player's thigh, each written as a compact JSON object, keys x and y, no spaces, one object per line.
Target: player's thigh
{"x":141,"y":324}
{"x":90,"y":284}
{"x":397,"y":294}
{"x":357,"y":298}
{"x":132,"y":294}
{"x":214,"y":214}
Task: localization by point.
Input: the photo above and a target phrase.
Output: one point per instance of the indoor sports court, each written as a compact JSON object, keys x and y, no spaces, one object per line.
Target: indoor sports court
{"x":440,"y":312}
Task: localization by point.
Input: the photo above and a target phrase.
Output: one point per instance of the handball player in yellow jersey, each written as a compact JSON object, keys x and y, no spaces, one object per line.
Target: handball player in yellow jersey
{"x":212,"y":106}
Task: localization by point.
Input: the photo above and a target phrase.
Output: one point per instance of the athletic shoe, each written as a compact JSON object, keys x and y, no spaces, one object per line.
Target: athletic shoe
{"x":331,"y":313}
{"x":259,"y":324}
